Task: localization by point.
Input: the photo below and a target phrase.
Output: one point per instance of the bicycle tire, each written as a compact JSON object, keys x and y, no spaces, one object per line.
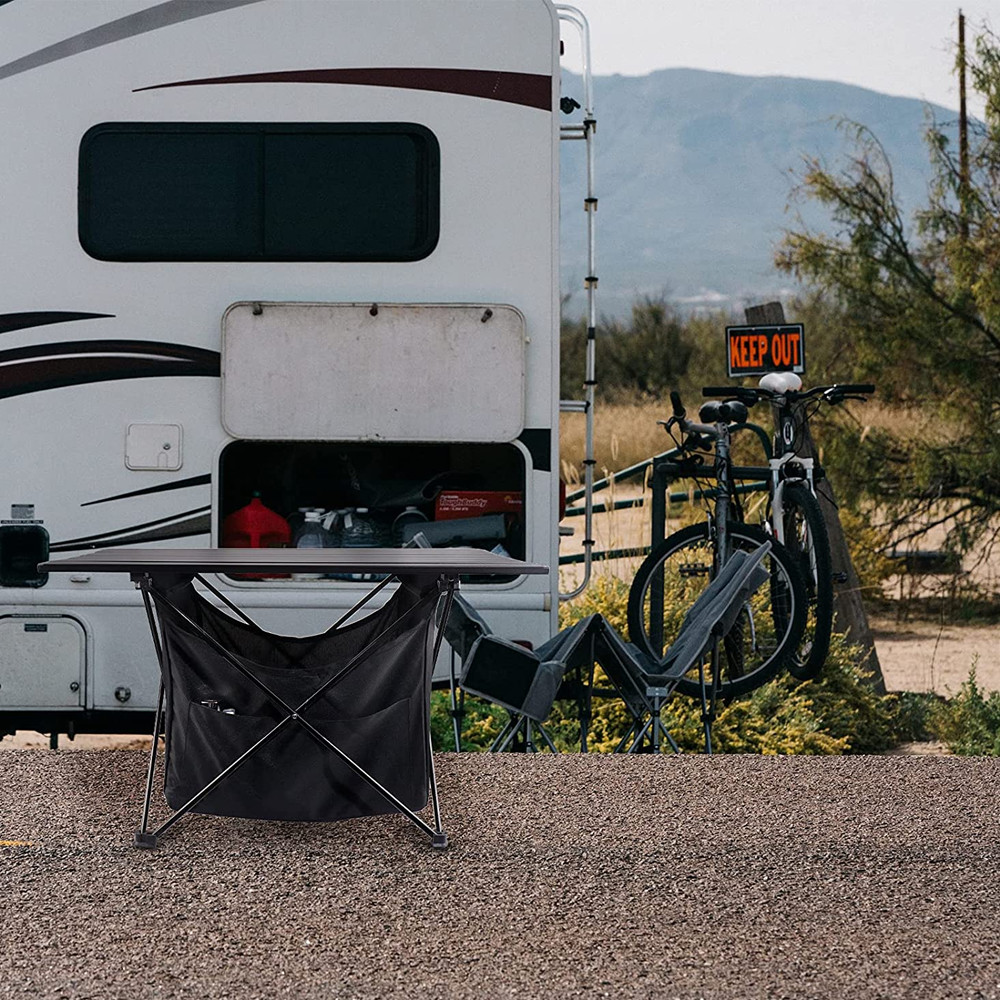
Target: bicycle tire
{"x":808,"y":542}
{"x":760,"y":642}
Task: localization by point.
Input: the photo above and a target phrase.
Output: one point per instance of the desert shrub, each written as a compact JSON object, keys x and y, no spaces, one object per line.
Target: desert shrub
{"x":970,"y":722}
{"x":917,"y":716}
{"x":837,"y":714}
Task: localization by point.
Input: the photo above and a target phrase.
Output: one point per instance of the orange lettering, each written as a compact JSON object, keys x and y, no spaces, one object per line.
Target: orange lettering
{"x":777,"y":354}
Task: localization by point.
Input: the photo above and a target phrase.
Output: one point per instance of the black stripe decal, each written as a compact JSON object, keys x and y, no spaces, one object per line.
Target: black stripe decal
{"x":26,"y":320}
{"x":125,"y":348}
{"x":190,"y":522}
{"x":52,"y":366}
{"x":180,"y":484}
{"x":160,"y":16}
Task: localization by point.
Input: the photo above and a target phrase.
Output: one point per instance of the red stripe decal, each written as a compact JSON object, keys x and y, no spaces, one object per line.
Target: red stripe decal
{"x":530,"y":89}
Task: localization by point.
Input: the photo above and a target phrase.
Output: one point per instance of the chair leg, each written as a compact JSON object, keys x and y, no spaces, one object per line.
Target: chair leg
{"x":521,"y":726}
{"x":624,"y":740}
{"x":504,"y":736}
{"x":548,"y":740}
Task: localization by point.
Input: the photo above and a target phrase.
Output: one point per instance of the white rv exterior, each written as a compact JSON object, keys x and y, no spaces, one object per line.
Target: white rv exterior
{"x":136,"y":409}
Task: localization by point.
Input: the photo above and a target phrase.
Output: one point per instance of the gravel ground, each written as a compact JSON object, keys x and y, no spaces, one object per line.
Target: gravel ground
{"x":569,"y":876}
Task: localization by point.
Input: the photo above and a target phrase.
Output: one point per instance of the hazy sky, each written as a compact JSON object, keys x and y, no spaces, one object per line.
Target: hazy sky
{"x":901,"y":47}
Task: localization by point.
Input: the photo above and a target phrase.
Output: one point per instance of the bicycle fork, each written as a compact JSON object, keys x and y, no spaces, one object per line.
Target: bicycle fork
{"x":778,"y":483}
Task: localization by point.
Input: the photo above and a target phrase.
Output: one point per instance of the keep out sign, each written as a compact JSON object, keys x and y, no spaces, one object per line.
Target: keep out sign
{"x":757,"y":350}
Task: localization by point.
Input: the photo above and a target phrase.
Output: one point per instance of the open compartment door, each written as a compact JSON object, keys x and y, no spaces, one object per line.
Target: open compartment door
{"x":373,"y":372}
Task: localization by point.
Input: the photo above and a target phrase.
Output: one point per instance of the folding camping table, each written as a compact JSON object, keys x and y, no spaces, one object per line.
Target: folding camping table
{"x":276,"y":757}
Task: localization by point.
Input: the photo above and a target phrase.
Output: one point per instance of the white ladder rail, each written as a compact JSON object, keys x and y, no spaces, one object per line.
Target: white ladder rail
{"x":585,"y":131}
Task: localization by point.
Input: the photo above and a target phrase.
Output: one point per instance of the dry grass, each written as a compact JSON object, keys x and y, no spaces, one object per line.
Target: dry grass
{"x":623,"y":435}
{"x":626,"y":433}
{"x":906,"y":423}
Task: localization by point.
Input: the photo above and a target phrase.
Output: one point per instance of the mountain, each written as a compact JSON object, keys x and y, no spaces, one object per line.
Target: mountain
{"x":693,"y":172}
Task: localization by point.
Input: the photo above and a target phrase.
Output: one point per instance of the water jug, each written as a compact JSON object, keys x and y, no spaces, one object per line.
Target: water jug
{"x":358,"y":531}
{"x":312,"y":535}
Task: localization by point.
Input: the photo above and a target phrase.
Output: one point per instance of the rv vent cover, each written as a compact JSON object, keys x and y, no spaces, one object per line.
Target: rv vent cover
{"x":348,"y":371}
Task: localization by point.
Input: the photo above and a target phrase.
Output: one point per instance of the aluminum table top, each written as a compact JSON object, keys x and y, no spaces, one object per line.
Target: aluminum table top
{"x":457,"y":561}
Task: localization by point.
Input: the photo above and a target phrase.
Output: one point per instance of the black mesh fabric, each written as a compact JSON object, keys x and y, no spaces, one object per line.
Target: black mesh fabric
{"x":377,"y":713}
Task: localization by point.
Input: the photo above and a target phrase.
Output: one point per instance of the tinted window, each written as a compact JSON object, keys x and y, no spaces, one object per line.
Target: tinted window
{"x":22,"y":548}
{"x":258,"y":192}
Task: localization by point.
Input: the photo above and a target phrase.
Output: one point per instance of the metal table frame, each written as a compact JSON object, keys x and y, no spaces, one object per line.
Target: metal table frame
{"x":145,"y":565}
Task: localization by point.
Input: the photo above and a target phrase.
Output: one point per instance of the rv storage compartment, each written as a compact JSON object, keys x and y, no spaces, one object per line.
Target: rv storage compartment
{"x":382,"y":494}
{"x":42,"y":659}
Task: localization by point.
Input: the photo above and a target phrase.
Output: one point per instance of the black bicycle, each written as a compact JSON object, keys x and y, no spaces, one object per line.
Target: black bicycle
{"x":795,"y":516}
{"x":767,"y":632}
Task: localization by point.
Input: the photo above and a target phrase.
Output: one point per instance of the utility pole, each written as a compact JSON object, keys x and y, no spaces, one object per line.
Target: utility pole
{"x":963,"y":135}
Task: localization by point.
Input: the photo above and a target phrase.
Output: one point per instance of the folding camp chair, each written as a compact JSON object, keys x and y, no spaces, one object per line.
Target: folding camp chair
{"x":645,"y":684}
{"x":527,"y":682}
{"x":524,"y":681}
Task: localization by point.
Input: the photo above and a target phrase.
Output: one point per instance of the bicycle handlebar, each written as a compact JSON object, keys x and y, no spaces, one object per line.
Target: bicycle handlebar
{"x":689,"y":427}
{"x":750,"y":396}
{"x":862,"y":389}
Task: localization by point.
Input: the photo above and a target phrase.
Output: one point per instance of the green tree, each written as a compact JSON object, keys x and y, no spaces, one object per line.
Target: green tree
{"x":644,"y":358}
{"x":921,"y":312}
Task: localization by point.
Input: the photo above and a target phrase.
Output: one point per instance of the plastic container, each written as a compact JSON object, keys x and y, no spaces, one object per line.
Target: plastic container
{"x":256,"y":527}
{"x":411,"y":515}
{"x":312,"y":535}
{"x":358,"y":531}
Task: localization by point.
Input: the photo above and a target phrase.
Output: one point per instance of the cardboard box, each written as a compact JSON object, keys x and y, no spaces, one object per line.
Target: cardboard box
{"x":452,"y":504}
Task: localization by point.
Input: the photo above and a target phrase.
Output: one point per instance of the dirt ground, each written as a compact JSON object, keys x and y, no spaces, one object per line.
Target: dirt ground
{"x":929,"y":656}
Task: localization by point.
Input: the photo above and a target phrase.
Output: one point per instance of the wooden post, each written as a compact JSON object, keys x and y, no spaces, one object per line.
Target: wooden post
{"x":849,"y":615}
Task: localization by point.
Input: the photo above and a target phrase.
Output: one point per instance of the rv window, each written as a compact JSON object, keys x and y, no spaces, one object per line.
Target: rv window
{"x":22,"y":548}
{"x":269,"y":192}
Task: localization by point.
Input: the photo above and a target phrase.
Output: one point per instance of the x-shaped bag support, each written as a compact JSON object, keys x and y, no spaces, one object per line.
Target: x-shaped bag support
{"x":157,"y":600}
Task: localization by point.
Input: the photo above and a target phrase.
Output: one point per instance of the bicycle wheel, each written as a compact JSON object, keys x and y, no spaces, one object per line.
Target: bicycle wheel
{"x":808,"y":543}
{"x":767,"y":630}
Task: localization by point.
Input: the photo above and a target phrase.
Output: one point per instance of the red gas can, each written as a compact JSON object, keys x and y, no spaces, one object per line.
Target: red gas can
{"x":255,"y":527}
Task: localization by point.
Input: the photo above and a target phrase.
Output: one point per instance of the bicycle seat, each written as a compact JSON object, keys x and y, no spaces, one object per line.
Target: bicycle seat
{"x":731,"y":411}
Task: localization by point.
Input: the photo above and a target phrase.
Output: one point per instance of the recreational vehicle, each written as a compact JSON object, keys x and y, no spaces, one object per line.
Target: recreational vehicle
{"x":269,"y":262}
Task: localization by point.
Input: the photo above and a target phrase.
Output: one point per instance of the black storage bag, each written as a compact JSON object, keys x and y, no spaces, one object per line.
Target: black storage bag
{"x":378,"y":713}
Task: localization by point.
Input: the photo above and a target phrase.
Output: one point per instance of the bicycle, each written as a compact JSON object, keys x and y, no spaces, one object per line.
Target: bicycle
{"x":795,"y":515}
{"x":669,"y":580}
